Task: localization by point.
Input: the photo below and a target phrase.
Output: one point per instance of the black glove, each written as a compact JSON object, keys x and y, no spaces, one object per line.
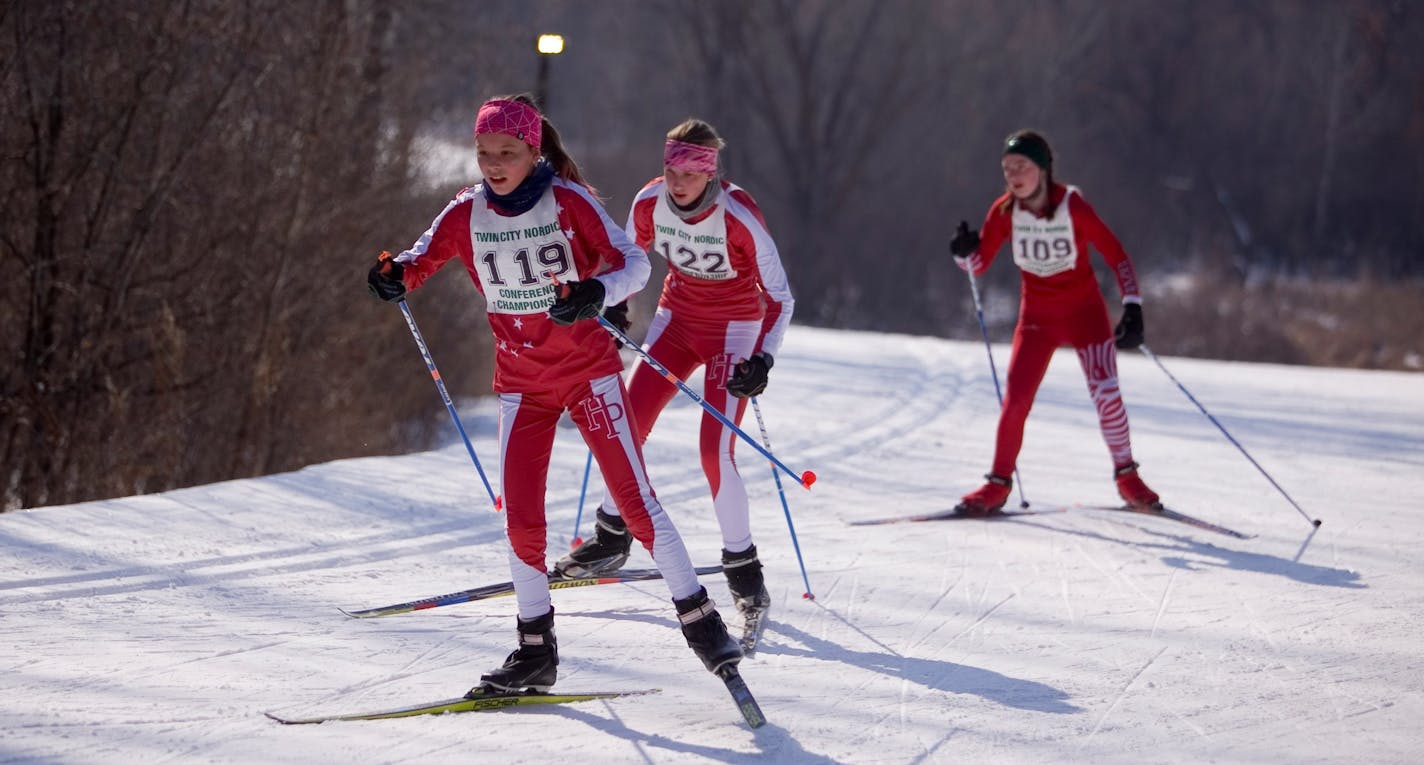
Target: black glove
{"x":384,"y":281}
{"x":965,"y":242}
{"x":617,"y":315}
{"x":577,"y":300}
{"x":749,"y":379}
{"x":1129,"y":327}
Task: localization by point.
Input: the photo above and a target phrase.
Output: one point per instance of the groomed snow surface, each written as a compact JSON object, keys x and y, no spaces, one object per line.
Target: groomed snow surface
{"x":159,"y":629}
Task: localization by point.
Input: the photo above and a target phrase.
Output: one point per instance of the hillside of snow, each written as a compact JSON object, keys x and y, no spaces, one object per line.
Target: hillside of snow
{"x":159,"y":629}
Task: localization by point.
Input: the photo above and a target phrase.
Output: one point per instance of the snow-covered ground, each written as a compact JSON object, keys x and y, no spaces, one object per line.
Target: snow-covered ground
{"x":158,"y":629}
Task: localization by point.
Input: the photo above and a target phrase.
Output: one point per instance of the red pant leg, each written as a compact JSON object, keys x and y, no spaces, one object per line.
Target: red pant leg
{"x":599,"y":408}
{"x":1033,"y":349}
{"x":730,"y":343}
{"x":648,"y":391}
{"x":527,"y":427}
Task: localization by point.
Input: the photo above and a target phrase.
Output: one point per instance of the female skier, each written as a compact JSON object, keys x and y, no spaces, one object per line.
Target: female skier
{"x":533,"y":223}
{"x":725,"y":306}
{"x":1049,"y":227}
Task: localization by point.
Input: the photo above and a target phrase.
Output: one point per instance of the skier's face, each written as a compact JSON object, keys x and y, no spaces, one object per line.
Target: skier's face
{"x":685,"y":186}
{"x":505,"y":161}
{"x":1022,"y":175}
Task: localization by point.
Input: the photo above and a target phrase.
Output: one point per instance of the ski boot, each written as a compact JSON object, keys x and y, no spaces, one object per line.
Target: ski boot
{"x":1133,"y":491}
{"x":987,"y":499}
{"x":605,"y":553}
{"x":533,"y":666}
{"x":705,"y":632}
{"x":744,"y":580}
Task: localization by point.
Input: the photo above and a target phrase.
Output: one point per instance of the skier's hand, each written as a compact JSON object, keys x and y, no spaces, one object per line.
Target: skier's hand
{"x":749,"y":379}
{"x":384,"y":280}
{"x":617,"y":315}
{"x":577,"y":300}
{"x":965,"y":247}
{"x":1129,"y":328}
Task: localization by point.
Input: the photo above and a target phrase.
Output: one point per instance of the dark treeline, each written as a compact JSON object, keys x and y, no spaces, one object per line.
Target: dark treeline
{"x":193,"y":190}
{"x":190,"y":193}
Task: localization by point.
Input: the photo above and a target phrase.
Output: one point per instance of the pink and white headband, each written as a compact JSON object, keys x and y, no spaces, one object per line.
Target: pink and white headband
{"x":512,"y":118}
{"x":690,"y":157}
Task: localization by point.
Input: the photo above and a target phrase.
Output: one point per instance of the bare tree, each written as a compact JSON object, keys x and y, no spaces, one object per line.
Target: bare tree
{"x":808,"y":95}
{"x":196,"y":191}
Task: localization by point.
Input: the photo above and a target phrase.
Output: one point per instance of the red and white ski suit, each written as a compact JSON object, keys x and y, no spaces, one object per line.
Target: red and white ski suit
{"x":725,"y":298}
{"x":1060,"y":305}
{"x":543,"y":369}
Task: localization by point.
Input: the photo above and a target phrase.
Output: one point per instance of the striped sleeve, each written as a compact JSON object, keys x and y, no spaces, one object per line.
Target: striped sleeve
{"x":448,"y":237}
{"x":771,"y":275}
{"x":640,"y":214}
{"x":1095,"y":231}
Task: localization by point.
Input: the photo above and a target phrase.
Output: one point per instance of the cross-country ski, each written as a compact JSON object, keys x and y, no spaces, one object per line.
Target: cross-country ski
{"x":484,"y":702}
{"x":502,"y":589}
{"x":1159,"y":511}
{"x":952,"y":515}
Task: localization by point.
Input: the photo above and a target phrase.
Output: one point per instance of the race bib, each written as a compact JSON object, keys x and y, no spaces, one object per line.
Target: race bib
{"x":697,"y":250}
{"x":1045,"y":247}
{"x":518,"y":258}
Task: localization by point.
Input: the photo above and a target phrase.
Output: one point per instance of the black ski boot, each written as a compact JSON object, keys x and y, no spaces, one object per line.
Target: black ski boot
{"x":744,"y":579}
{"x":605,"y":553}
{"x":705,"y":632}
{"x":533,"y":666}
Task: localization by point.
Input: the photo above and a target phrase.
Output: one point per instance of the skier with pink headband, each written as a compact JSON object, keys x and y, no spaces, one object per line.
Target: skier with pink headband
{"x":725,"y":306}
{"x":530,"y":228}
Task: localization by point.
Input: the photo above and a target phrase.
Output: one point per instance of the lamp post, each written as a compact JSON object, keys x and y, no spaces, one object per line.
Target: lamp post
{"x":548,"y":47}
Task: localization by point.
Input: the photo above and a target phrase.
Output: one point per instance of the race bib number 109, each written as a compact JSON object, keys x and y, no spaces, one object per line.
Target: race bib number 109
{"x":1044,"y":249}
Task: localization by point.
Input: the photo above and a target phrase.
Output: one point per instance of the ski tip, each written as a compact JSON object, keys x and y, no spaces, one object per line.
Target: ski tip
{"x":808,"y":478}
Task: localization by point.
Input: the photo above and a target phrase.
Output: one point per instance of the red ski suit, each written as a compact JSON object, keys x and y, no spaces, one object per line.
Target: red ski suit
{"x":725,"y":298}
{"x":1060,"y":305}
{"x":543,"y":369}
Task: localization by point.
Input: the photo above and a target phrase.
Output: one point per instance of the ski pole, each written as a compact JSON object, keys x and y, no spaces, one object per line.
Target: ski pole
{"x":445,"y":395}
{"x":775,"y":476}
{"x":805,"y":479}
{"x":1149,"y":354}
{"x":994,"y":373}
{"x":578,"y":517}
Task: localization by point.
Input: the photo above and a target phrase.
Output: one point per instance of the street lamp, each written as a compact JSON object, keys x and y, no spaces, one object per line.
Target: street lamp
{"x":548,"y":47}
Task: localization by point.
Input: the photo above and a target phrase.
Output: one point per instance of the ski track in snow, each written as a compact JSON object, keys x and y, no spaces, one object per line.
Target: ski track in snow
{"x":159,"y":628}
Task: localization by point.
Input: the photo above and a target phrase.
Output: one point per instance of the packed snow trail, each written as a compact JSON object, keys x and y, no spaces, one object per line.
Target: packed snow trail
{"x":160,"y":628}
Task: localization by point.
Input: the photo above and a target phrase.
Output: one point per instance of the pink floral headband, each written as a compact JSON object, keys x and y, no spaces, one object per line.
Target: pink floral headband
{"x":690,"y":157}
{"x":512,"y":118}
